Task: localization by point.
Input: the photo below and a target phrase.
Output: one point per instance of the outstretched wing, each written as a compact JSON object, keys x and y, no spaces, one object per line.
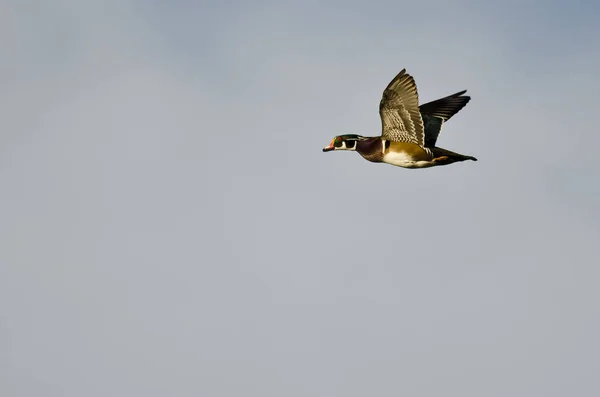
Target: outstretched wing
{"x":445,"y":107}
{"x":436,"y":113}
{"x":399,"y":111}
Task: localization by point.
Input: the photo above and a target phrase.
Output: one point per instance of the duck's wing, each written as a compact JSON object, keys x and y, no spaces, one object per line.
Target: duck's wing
{"x":436,"y":113}
{"x":399,"y":111}
{"x":445,"y":107}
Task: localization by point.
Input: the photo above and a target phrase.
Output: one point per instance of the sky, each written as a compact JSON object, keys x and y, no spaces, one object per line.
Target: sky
{"x":170,"y":226}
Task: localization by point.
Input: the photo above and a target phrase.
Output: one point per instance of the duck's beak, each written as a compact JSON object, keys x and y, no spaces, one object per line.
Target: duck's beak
{"x":330,"y":147}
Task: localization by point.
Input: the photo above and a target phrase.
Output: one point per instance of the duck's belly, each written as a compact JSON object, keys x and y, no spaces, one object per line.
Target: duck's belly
{"x":409,"y":157}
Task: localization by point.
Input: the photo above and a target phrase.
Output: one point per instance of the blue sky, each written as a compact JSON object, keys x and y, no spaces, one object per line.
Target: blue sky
{"x":170,"y":225}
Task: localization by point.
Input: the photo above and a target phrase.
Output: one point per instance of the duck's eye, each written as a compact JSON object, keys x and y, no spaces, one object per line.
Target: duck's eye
{"x":338,"y":142}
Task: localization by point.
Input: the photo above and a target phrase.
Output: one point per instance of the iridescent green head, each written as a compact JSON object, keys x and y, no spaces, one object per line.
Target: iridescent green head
{"x":343,"y":142}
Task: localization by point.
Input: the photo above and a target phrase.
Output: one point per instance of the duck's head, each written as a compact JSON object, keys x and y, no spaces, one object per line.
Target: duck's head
{"x":344,"y":142}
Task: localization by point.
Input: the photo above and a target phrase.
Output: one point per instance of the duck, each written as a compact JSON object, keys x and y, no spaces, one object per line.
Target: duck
{"x":409,"y":132}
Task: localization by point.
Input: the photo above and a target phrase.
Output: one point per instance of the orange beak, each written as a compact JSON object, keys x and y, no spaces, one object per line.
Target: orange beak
{"x":330,"y":147}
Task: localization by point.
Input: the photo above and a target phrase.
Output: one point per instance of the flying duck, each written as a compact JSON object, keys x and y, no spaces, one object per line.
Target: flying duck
{"x":409,"y":131}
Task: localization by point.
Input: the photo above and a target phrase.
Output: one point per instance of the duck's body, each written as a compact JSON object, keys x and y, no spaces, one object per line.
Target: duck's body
{"x":409,"y":131}
{"x":406,"y":154}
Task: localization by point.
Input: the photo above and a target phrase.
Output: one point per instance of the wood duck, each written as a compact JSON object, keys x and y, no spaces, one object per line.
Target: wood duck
{"x":409,"y":131}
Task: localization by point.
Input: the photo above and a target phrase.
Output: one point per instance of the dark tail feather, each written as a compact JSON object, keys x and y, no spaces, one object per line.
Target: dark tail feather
{"x":445,"y":107}
{"x":444,"y":156}
{"x":462,"y":157}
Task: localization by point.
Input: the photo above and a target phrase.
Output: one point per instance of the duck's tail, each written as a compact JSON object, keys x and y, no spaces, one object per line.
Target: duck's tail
{"x":444,"y":156}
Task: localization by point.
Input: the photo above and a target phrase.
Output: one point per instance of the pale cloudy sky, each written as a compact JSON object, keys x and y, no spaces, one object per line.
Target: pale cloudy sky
{"x":170,"y":227}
